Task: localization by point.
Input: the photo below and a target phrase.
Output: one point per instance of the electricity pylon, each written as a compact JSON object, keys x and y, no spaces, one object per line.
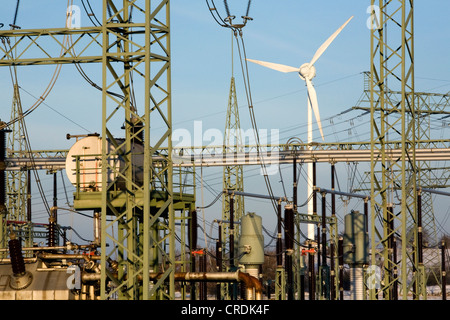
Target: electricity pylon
{"x":16,"y":181}
{"x":142,"y":45}
{"x":429,"y":174}
{"x":392,"y":68}
{"x":132,"y":44}
{"x":233,"y":175}
{"x":233,"y":178}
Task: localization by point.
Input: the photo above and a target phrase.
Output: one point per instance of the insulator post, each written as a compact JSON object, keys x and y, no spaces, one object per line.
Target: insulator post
{"x":15,"y":252}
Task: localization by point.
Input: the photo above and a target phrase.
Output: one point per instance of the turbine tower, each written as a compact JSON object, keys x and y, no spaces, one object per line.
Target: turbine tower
{"x":307,"y":72}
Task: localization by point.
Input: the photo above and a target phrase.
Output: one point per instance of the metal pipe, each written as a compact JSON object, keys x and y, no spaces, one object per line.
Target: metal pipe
{"x":437,"y":154}
{"x":349,"y":194}
{"x":251,"y":283}
{"x":435,"y":191}
{"x":254,"y":195}
{"x":253,"y":286}
{"x":26,"y":260}
{"x":66,"y":247}
{"x":68,"y":256}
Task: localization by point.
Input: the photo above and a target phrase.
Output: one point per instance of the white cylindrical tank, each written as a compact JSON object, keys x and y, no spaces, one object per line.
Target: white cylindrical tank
{"x":85,"y":160}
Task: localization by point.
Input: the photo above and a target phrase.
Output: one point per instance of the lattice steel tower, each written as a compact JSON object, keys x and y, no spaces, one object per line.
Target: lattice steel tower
{"x":233,"y":175}
{"x":392,"y":68}
{"x":132,"y":45}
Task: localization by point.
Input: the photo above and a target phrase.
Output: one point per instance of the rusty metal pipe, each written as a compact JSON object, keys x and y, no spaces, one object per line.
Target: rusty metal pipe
{"x":252,"y":285}
{"x":68,"y":256}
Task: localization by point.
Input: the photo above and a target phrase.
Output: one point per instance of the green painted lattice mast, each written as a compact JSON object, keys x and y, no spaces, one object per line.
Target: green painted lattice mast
{"x":233,"y":175}
{"x":429,"y":175}
{"x":16,"y":181}
{"x":233,"y":180}
{"x":16,"y":185}
{"x":138,"y":46}
{"x":392,"y":68}
{"x":138,"y":229}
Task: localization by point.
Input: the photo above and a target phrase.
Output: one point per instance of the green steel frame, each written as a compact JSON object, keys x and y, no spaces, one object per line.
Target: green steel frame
{"x":139,"y":241}
{"x":133,"y":41}
{"x":392,"y":66}
{"x":233,"y":175}
{"x":16,"y":181}
{"x":429,"y":174}
{"x":141,"y":46}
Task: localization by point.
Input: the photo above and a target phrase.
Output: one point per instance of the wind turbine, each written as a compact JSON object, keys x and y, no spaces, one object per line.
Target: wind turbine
{"x":307,"y":72}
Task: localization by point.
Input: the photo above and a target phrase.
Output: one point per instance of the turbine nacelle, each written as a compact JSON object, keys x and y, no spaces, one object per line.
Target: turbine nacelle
{"x":307,"y":71}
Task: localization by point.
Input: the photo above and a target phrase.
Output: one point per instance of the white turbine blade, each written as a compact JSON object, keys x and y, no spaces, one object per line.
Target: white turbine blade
{"x":314,"y":104}
{"x":275,"y":66}
{"x":325,"y":45}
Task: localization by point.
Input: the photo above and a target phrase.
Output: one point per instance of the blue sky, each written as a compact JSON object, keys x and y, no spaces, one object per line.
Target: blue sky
{"x":285,"y":31}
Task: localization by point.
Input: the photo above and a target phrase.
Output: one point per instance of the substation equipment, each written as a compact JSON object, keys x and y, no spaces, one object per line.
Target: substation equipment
{"x":138,"y":195}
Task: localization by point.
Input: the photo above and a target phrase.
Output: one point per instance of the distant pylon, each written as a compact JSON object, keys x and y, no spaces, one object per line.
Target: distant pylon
{"x":16,"y":185}
{"x":233,"y":175}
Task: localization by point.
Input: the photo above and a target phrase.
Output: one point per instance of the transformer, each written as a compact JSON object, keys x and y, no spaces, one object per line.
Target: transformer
{"x":251,"y":243}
